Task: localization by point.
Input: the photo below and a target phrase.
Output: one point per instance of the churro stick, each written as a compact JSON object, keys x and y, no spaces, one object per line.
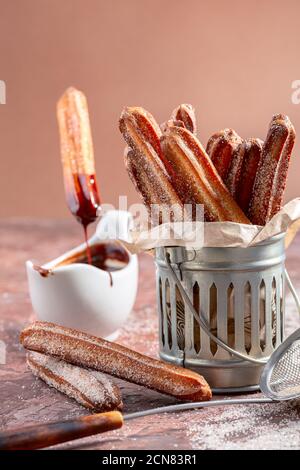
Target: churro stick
{"x":220,"y":147}
{"x":235,"y":167}
{"x":141,"y":132}
{"x":95,"y":353}
{"x":144,"y":164}
{"x":185,"y":113}
{"x":195,"y":178}
{"x":252,"y":154}
{"x":272,"y":172}
{"x":89,"y":388}
{"x":77,"y":155}
{"x":279,"y":183}
{"x":154,"y":188}
{"x":170,"y":123}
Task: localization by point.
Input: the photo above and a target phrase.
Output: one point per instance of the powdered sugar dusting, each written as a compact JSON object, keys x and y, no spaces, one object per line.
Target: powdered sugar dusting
{"x":247,"y":427}
{"x":91,"y":389}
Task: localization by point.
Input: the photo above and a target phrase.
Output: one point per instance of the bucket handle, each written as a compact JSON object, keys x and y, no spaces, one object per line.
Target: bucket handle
{"x":201,"y":320}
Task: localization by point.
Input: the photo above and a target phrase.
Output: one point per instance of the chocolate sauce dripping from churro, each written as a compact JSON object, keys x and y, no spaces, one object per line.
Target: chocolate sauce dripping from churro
{"x":83,"y":201}
{"x":88,"y":250}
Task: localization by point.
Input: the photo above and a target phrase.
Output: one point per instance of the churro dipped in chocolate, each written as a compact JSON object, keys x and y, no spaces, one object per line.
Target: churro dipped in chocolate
{"x":91,"y":352}
{"x":89,"y":388}
{"x":77,"y":155}
{"x":272,"y":172}
{"x":195,"y":177}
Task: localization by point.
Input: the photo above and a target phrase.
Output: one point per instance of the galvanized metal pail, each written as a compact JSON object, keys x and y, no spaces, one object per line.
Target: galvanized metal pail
{"x":239,"y":295}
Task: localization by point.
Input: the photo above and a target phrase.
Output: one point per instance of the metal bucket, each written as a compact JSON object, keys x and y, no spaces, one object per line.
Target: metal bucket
{"x":238,"y":293}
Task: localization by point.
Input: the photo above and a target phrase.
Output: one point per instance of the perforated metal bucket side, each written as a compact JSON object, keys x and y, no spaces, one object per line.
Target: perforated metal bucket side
{"x":240,"y":292}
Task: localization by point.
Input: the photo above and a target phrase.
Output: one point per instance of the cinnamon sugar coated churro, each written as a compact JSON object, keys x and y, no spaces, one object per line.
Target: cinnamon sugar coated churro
{"x":185,"y":113}
{"x":195,"y":177}
{"x":153,"y":185}
{"x":141,"y":132}
{"x":252,"y":155}
{"x":235,"y":168}
{"x":279,"y":184}
{"x":243,"y":181}
{"x":91,"y":352}
{"x":89,"y":388}
{"x":220,"y":148}
{"x":144,"y":163}
{"x":170,"y":123}
{"x":272,"y":172}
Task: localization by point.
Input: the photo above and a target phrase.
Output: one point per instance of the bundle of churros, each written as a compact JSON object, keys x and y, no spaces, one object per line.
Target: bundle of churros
{"x":234,"y":179}
{"x":76,"y":363}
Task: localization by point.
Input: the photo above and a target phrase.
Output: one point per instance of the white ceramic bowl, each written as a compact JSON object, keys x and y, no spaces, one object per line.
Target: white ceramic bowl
{"x":81,"y":296}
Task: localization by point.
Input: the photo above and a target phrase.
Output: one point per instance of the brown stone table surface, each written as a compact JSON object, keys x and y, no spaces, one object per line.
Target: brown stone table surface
{"x":26,"y":400}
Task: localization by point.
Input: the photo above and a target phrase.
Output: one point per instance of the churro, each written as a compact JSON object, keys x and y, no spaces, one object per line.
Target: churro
{"x":252,"y":154}
{"x":143,"y":160}
{"x":91,"y":352}
{"x":185,"y":113}
{"x":272,"y":172}
{"x":77,"y":155}
{"x":220,"y":147}
{"x":195,"y":177}
{"x":89,"y":388}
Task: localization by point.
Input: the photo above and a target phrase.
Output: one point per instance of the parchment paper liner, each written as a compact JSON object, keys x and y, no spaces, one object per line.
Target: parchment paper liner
{"x":217,"y":234}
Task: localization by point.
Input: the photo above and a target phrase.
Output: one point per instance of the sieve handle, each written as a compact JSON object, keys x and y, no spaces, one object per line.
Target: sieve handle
{"x":201,"y":320}
{"x":44,"y":435}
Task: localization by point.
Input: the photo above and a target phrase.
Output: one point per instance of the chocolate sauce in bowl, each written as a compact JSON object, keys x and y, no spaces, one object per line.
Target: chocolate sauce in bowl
{"x":108,"y":256}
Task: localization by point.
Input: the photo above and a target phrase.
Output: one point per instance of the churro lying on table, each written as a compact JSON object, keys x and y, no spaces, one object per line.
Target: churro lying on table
{"x":89,"y":388}
{"x":84,"y":350}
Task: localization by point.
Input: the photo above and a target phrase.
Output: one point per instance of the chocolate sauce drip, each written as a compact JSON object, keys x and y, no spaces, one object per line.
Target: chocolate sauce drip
{"x":83,"y":201}
{"x":42,"y":271}
{"x":83,"y":198}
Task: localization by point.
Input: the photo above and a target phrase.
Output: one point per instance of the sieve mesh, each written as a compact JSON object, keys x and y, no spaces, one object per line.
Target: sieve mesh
{"x":284,"y":380}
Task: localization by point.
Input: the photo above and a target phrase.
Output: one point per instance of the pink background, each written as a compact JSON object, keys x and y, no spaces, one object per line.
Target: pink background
{"x":234,"y":61}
